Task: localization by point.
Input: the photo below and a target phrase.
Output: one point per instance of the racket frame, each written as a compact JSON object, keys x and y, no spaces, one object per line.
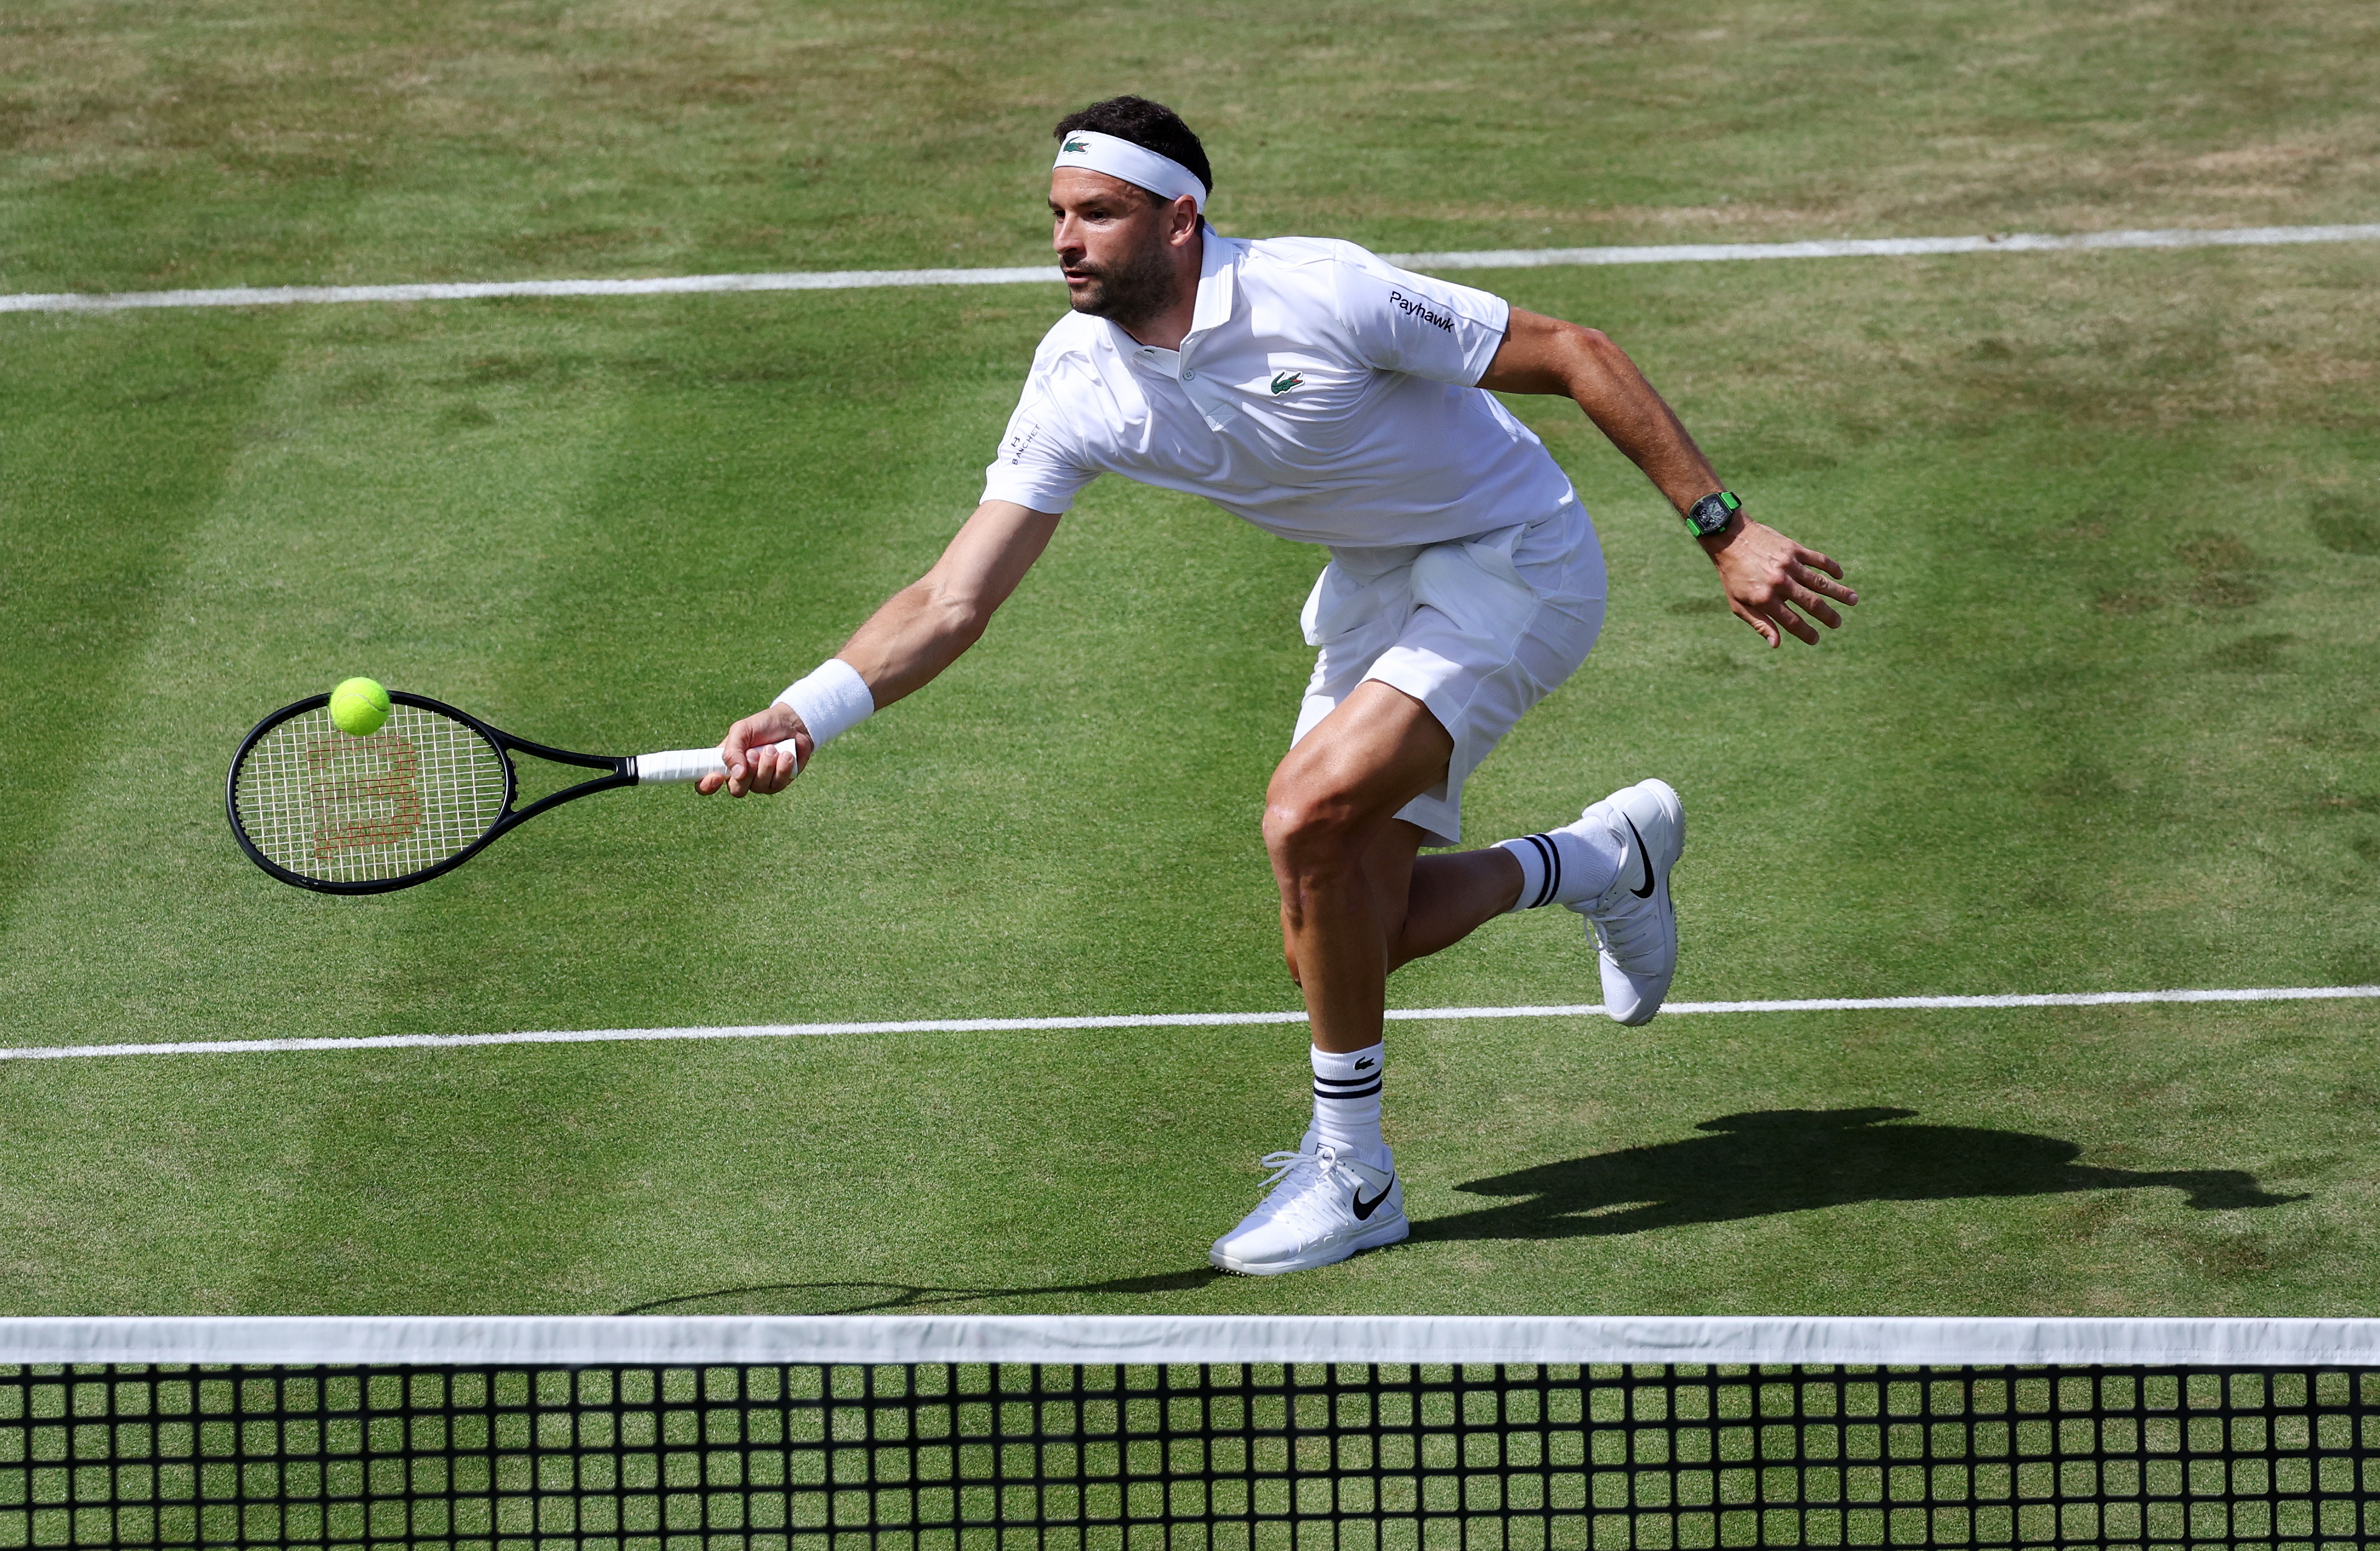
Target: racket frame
{"x":621,"y":770}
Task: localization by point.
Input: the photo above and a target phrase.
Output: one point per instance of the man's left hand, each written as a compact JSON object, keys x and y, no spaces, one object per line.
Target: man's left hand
{"x":1768,"y":577}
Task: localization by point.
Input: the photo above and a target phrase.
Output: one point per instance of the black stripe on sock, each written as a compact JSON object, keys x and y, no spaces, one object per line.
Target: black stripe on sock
{"x":1545,"y":871}
{"x":1347,"y":1082}
{"x":1552,"y":857}
{"x":1357,"y":1092}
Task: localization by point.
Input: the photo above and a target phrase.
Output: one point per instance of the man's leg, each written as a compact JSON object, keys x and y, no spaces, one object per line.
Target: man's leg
{"x":1356,"y":903}
{"x":1452,"y":895}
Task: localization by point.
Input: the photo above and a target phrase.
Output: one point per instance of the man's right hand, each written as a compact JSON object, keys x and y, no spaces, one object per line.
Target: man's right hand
{"x":750,"y":750}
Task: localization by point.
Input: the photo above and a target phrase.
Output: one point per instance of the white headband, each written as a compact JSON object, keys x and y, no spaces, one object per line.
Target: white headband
{"x":1161,"y":176}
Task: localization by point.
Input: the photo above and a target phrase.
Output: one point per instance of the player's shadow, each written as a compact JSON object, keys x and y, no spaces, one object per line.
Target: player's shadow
{"x":1791,"y":1160}
{"x":859,"y":1297}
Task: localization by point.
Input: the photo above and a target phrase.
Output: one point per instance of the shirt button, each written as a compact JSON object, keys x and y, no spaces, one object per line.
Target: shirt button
{"x":1189,"y":377}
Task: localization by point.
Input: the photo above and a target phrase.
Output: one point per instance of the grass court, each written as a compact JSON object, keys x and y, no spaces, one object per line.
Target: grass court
{"x":2105,"y":718}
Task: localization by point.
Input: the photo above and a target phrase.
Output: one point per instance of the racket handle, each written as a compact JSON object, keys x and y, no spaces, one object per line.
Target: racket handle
{"x":689,"y":764}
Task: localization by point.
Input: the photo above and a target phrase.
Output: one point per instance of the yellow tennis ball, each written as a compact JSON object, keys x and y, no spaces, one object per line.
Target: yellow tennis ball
{"x":358,"y":707}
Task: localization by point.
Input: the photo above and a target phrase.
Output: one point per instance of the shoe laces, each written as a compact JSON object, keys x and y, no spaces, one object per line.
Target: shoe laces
{"x":1306,"y":1202}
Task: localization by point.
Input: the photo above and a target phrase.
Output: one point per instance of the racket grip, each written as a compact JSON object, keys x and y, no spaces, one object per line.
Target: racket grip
{"x":689,"y":764}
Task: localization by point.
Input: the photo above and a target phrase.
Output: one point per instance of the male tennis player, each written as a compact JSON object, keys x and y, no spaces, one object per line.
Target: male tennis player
{"x":1334,"y":399}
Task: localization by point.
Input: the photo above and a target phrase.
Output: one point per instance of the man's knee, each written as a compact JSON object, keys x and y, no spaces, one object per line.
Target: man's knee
{"x":1312,"y":824}
{"x":1347,"y":779}
{"x":1305,"y":829}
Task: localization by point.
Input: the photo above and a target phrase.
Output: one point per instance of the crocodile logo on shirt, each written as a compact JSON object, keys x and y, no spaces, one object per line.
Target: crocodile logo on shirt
{"x":1074,"y":146}
{"x":1285,"y":380}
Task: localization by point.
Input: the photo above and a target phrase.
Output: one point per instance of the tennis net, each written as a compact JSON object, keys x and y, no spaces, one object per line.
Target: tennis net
{"x":1238,"y":1434}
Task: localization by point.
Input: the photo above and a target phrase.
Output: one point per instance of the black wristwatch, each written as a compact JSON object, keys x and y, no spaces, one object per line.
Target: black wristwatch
{"x":1709,"y":516}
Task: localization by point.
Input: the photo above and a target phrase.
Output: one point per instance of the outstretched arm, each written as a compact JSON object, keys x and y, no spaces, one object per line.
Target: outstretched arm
{"x":1766,"y":575}
{"x":919,"y":631}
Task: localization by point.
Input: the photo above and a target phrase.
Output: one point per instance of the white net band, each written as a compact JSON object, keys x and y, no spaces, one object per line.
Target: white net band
{"x":1079,"y":1338}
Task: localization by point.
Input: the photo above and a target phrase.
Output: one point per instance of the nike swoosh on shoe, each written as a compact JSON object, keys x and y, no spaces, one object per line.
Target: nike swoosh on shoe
{"x":1643,"y":858}
{"x":1362,"y":1208}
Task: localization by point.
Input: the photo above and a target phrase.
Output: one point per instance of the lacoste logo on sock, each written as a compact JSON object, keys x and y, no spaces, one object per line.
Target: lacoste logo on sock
{"x":1642,"y":855}
{"x":1364,"y":1209}
{"x":1364,"y":1062}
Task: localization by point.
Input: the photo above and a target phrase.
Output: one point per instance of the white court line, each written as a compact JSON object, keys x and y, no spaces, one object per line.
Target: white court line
{"x":1150,"y":1021}
{"x":1502,"y":258}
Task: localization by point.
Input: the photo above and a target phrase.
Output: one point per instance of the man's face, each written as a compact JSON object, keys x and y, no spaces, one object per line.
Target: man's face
{"x":1114,"y":242}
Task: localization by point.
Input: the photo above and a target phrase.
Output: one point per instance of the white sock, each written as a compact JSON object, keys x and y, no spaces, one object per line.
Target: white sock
{"x":1347,"y":1104}
{"x":1563,"y":866}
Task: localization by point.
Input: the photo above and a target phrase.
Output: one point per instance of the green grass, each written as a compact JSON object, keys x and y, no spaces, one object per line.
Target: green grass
{"x":2104,"y":720}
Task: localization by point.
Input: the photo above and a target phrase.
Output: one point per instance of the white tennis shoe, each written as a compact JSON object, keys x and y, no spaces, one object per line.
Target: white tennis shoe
{"x":1635,"y":924}
{"x":1324,"y":1207}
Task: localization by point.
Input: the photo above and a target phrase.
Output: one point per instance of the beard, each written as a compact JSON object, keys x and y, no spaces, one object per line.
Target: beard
{"x":1131,"y":292}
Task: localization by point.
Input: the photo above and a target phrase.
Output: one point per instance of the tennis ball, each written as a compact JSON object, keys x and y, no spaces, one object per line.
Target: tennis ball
{"x":358,"y":707}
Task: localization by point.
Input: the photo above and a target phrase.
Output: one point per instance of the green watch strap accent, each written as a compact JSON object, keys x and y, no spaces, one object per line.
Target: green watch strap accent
{"x":1712,"y":514}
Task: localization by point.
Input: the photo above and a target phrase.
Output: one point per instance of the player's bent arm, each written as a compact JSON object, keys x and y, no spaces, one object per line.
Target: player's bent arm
{"x":1767,"y":575}
{"x":919,"y":631}
{"x":923,"y":628}
{"x":1542,"y":354}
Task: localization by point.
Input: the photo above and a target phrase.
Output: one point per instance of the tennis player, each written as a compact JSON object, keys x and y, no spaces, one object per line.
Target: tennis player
{"x":1335,"y":399}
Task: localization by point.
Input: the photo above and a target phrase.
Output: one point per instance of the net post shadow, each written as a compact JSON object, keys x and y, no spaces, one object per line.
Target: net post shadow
{"x":874,"y":1297}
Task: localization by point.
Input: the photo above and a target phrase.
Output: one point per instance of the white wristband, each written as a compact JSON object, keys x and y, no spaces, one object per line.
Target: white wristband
{"x":830,"y":702}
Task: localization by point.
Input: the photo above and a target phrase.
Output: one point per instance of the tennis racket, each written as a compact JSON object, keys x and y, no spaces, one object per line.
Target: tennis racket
{"x":430,"y":789}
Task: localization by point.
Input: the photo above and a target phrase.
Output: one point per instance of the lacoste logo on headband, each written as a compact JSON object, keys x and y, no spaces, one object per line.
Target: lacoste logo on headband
{"x":1422,"y":310}
{"x":1129,"y":161}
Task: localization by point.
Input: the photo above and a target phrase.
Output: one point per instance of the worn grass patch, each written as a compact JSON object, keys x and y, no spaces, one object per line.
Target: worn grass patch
{"x":205,"y":143}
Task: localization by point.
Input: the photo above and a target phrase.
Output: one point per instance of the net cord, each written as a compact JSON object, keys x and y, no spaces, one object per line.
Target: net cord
{"x":1221,"y":1338}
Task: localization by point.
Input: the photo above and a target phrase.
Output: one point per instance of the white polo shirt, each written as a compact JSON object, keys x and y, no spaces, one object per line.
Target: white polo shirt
{"x":1322,"y":395}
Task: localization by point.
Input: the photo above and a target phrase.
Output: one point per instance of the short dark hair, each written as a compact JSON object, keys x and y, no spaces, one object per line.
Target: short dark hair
{"x":1150,"y":126}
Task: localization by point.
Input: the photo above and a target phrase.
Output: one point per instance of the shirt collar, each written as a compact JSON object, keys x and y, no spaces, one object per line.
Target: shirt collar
{"x":1218,"y":290}
{"x":1218,"y":269}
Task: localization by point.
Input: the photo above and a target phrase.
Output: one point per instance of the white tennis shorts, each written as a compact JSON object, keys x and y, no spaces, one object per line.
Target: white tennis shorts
{"x":1477,"y":629}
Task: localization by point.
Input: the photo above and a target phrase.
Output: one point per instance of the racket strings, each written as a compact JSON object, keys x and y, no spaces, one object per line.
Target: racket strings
{"x":341,"y":809}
